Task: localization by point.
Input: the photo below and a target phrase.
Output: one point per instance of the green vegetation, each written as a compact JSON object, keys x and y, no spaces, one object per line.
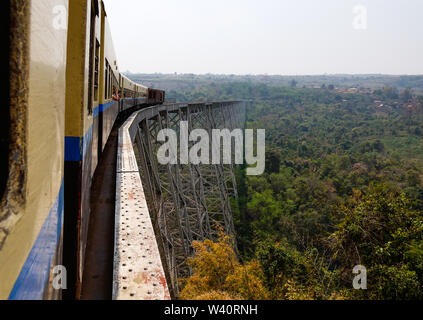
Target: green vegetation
{"x":343,"y":187}
{"x":188,"y":82}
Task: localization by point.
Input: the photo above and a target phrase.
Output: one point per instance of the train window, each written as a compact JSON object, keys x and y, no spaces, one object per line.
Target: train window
{"x":14,"y":112}
{"x":106,"y":82}
{"x":4,"y":148}
{"x":91,"y":62}
{"x":5,"y":116}
{"x":128,"y":93}
{"x":96,"y":8}
{"x":109,"y":88}
{"x":110,"y":81}
{"x":114,"y":82}
{"x":96,"y":64}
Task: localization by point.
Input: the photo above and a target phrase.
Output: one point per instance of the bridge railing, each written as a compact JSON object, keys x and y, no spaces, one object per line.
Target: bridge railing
{"x":138,"y":272}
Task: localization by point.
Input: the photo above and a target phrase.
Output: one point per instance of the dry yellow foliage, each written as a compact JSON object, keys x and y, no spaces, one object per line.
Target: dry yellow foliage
{"x":217,"y":274}
{"x":293,"y":292}
{"x":216,"y":295}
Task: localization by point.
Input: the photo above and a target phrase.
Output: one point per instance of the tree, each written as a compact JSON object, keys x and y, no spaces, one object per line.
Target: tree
{"x":308,"y":225}
{"x":378,"y":146}
{"x":294,"y":275}
{"x":390,"y":92}
{"x":273,"y":161}
{"x":218,"y":275}
{"x":381,"y":231}
{"x":406,"y":95}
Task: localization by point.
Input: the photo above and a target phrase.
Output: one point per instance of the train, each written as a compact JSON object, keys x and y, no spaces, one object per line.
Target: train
{"x":65,"y":94}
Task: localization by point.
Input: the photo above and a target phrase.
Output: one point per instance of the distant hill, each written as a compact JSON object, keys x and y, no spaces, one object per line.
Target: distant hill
{"x":191,"y":81}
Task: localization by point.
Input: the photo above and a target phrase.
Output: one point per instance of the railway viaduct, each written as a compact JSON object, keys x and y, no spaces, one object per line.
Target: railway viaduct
{"x":145,"y":215}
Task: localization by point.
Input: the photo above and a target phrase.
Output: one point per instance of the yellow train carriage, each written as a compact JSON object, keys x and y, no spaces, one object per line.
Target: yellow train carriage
{"x":141,"y":94}
{"x":93,"y":82}
{"x":109,"y":83}
{"x":92,"y":78}
{"x":132,"y":94}
{"x":32,"y":202}
{"x":83,"y":102}
{"x":64,"y":101}
{"x":127,"y":93}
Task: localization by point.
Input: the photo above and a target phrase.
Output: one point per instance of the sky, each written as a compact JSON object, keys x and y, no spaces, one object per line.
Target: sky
{"x":275,"y":37}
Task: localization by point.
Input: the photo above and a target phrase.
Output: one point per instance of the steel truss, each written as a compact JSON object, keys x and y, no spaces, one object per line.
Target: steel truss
{"x":188,"y":202}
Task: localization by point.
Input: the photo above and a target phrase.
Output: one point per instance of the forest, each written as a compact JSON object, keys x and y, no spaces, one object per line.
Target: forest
{"x":343,"y":187}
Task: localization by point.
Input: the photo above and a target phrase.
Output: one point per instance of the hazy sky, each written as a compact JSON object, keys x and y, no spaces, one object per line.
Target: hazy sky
{"x":288,"y":37}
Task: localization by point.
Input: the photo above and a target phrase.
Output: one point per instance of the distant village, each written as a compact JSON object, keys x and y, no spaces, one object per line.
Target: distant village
{"x":413,"y":103}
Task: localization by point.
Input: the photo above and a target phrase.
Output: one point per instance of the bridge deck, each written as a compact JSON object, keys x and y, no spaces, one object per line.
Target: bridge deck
{"x":98,"y":279}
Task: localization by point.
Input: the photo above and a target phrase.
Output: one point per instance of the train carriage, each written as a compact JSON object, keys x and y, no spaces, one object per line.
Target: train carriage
{"x":64,"y":100}
{"x":109,"y":81}
{"x":32,"y":202}
{"x":141,"y":94}
{"x":83,"y":106}
{"x":156,"y":96}
{"x":127,"y":93}
{"x":132,"y":94}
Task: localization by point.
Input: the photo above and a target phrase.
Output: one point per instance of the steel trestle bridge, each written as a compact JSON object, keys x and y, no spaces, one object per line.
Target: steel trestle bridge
{"x":162,"y":209}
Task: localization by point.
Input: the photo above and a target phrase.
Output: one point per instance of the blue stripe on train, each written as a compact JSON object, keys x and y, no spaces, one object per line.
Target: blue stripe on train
{"x":76,"y":148}
{"x":34,"y":275}
{"x":73,"y":149}
{"x":101,"y":108}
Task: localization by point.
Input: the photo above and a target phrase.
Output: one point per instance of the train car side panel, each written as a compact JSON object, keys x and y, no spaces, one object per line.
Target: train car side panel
{"x":110,"y":74}
{"x":33,"y":241}
{"x":80,"y":110}
{"x":65,"y":84}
